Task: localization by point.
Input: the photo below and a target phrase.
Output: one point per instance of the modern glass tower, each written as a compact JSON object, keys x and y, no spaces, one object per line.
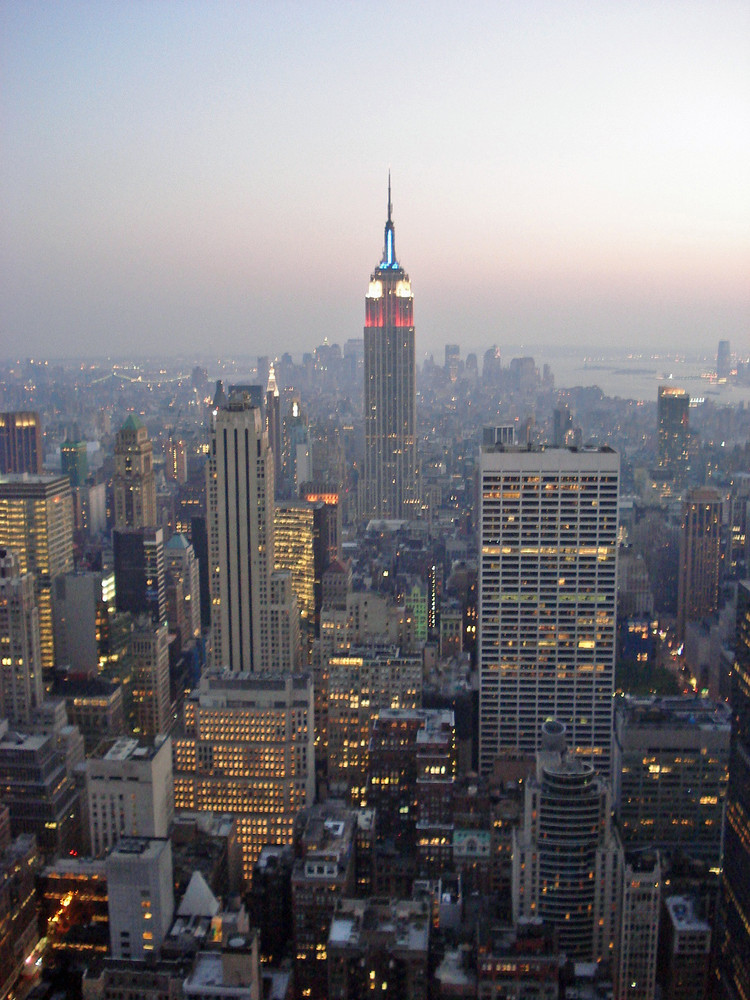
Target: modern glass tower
{"x":390,"y":480}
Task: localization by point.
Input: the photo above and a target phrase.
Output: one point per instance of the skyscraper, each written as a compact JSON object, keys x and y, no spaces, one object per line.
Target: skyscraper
{"x":673,"y":431}
{"x":391,"y":478}
{"x":149,"y":672}
{"x":134,"y":487}
{"x":733,"y":923}
{"x":700,"y":546}
{"x":566,"y":854}
{"x":181,"y":565}
{"x":140,"y":581}
{"x":547,"y":582}
{"x":20,"y":660}
{"x":723,"y":360}
{"x":20,"y":442}
{"x":273,"y":421}
{"x":302,"y":533}
{"x":241,"y":540}
{"x":36,"y":520}
{"x":74,"y":461}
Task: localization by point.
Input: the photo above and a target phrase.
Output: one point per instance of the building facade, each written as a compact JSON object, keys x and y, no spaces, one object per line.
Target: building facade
{"x":36,"y":520}
{"x":360,"y":684}
{"x":390,"y":472}
{"x":141,"y":896}
{"x":40,"y":796}
{"x":149,"y":679}
{"x":129,"y":791}
{"x":134,"y":485}
{"x":76,"y":600}
{"x":20,"y":443}
{"x":248,"y":749}
{"x":673,"y":416}
{"x":669,"y":775}
{"x":700,"y":551}
{"x":732,"y":966}
{"x":638,"y":934}
{"x":547,"y":591}
{"x":301,"y":534}
{"x":21,"y":691}
{"x":567,"y":860}
{"x":239,"y":497}
{"x":182,"y":567}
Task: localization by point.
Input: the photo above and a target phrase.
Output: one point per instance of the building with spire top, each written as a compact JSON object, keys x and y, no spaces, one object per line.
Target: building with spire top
{"x":273,"y":425}
{"x":134,"y":486}
{"x":390,"y":488}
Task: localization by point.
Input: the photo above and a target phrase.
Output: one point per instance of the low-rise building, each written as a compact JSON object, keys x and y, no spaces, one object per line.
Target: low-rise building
{"x":323,"y":872}
{"x":379,"y":947}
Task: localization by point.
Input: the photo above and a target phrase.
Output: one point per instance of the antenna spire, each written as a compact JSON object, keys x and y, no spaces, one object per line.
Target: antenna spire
{"x":389,"y":251}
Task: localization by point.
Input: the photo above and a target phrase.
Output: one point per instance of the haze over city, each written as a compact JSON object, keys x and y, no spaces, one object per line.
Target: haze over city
{"x":186,"y":176}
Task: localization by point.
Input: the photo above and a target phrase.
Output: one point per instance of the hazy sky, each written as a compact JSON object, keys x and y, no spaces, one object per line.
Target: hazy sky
{"x":211,"y":177}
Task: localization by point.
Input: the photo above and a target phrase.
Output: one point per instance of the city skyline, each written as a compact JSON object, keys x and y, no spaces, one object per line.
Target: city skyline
{"x":563,"y":175}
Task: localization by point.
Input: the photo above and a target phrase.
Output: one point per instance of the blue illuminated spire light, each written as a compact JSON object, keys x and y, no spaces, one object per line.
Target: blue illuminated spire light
{"x":389,"y":251}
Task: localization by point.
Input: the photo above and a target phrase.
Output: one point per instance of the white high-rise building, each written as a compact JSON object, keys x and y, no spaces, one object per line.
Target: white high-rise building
{"x":638,"y":935}
{"x":548,"y":583}
{"x":21,"y":691}
{"x":141,"y":896}
{"x":129,"y":790}
{"x":240,"y":540}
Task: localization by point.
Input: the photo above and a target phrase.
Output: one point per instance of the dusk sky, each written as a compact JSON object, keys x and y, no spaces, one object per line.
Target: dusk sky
{"x":210,"y":178}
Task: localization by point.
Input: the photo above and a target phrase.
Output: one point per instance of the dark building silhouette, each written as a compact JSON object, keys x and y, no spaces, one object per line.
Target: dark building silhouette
{"x":74,"y":461}
{"x":732,"y":971}
{"x":199,"y":537}
{"x":673,"y":432}
{"x":723,"y":360}
{"x":140,"y":580}
{"x":700,"y":547}
{"x":20,"y":442}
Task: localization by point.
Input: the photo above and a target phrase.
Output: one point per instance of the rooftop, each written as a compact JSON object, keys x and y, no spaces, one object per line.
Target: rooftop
{"x":682,"y":712}
{"x":126,"y":748}
{"x":682,"y":913}
{"x":404,"y":923}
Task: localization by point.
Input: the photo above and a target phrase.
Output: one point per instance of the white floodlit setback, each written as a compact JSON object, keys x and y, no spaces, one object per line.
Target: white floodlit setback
{"x":548,"y":583}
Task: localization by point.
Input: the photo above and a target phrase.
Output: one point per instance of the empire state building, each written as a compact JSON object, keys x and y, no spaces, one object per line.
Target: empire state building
{"x":390,"y":480}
